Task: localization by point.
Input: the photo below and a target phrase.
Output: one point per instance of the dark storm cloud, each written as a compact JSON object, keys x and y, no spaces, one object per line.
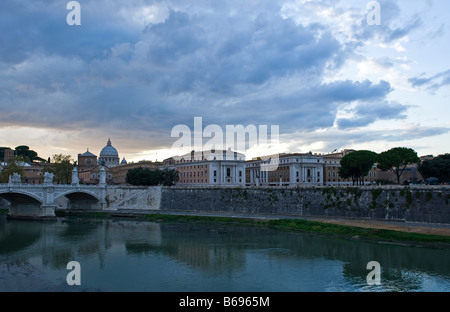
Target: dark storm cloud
{"x":230,"y":62}
{"x":28,"y":27}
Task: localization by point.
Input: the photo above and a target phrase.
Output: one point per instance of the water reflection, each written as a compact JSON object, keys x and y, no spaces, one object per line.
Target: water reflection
{"x":124,"y":255}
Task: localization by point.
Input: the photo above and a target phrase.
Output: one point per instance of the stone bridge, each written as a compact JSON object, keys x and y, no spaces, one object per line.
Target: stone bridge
{"x":38,"y":201}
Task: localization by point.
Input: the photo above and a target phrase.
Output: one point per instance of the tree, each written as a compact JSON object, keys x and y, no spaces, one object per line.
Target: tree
{"x":25,"y":151}
{"x":15,"y":165}
{"x":356,"y":165}
{"x":438,"y":167}
{"x":397,"y":159}
{"x":169,"y":177}
{"x":62,"y":168}
{"x":142,"y":177}
{"x":146,"y":177}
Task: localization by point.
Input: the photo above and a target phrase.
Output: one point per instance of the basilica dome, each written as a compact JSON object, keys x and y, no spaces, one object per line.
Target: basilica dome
{"x":109,"y":155}
{"x":109,"y":150}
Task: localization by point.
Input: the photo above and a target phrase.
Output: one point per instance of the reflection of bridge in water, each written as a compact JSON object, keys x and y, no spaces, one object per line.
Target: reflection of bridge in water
{"x":39,"y":201}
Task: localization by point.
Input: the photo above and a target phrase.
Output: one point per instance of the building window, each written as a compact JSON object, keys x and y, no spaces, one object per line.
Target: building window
{"x":240,"y":173}
{"x":215,"y":174}
{"x":228,"y":172}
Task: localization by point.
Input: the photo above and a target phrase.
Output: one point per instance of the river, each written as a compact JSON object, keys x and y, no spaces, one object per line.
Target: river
{"x":129,"y":255}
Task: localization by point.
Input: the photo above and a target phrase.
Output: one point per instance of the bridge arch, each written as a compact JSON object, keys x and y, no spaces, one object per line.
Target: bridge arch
{"x":24,"y":204}
{"x":80,"y":199}
{"x":20,"y":197}
{"x":79,"y":193}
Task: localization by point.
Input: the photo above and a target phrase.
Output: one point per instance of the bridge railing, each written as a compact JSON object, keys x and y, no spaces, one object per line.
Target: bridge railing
{"x":27,"y":185}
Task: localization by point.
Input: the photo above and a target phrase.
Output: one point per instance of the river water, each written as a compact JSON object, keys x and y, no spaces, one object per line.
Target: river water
{"x":128,"y":255}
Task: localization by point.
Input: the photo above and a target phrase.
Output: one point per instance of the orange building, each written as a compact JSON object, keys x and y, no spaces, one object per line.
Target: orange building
{"x":92,"y":175}
{"x":6,"y":154}
{"x":86,"y":161}
{"x":34,"y":172}
{"x":332,"y":163}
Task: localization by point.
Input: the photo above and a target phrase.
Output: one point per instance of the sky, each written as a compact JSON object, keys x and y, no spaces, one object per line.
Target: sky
{"x":131,"y":71}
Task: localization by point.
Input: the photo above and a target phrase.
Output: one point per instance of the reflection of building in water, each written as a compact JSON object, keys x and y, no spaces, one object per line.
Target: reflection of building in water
{"x":67,"y":241}
{"x":193,"y":246}
{"x":214,"y":249}
{"x":208,"y":257}
{"x":197,"y":256}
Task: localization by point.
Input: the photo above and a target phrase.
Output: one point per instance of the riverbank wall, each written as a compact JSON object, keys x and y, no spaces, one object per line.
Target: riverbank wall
{"x":430,"y":204}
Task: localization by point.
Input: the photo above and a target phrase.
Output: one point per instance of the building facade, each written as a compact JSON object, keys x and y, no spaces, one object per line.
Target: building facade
{"x":285,"y":170}
{"x":332,"y":163}
{"x":6,"y":154}
{"x":86,"y":161}
{"x":92,"y":175}
{"x":411,"y":174}
{"x":211,"y":168}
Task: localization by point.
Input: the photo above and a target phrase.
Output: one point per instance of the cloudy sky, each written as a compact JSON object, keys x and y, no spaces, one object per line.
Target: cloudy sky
{"x":133,"y":70}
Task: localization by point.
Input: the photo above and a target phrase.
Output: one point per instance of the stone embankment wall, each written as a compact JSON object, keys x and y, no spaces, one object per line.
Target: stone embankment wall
{"x":413,"y":203}
{"x":416,"y":204}
{"x":138,"y":198}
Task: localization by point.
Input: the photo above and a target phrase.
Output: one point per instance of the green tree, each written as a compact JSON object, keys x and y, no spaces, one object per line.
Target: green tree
{"x":62,"y":169}
{"x":25,"y":151}
{"x":169,"y":177}
{"x":142,"y":177}
{"x":438,"y":167}
{"x":147,"y":177}
{"x":397,"y":159}
{"x":15,"y":165}
{"x":356,"y":165}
